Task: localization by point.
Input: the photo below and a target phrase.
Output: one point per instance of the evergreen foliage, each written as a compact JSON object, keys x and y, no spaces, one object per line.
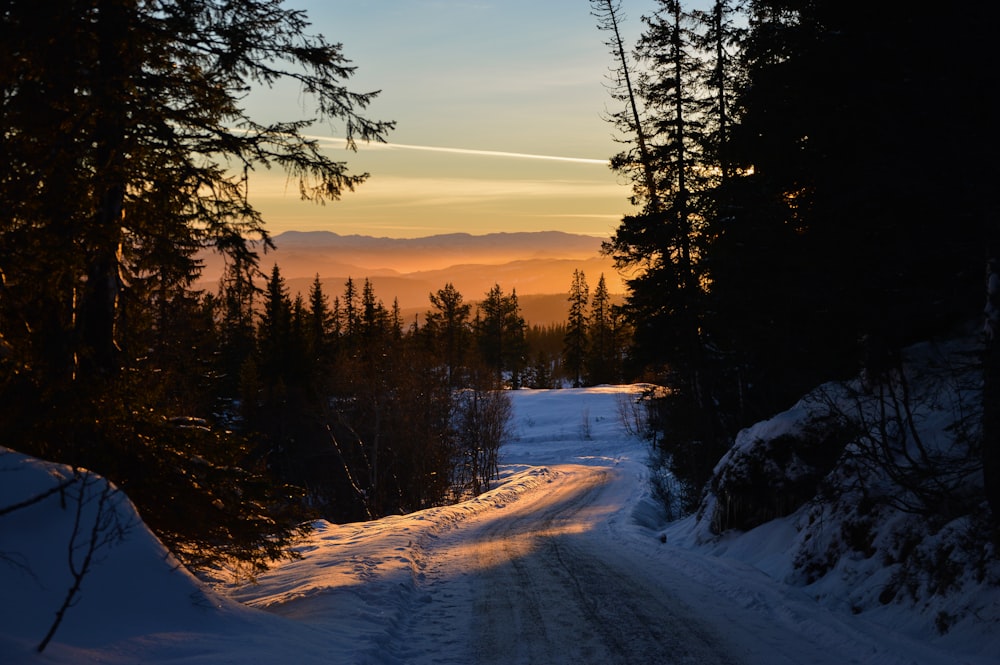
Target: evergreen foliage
{"x":500,"y":335}
{"x":447,"y":329}
{"x":388,"y":420}
{"x":845,"y":191}
{"x":603,"y":363}
{"x":576,"y":340}
{"x":125,"y":150}
{"x":822,"y":197}
{"x":545,"y":349}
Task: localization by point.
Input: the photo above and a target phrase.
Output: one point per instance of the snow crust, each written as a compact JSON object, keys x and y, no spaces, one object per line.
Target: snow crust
{"x":369,"y":592}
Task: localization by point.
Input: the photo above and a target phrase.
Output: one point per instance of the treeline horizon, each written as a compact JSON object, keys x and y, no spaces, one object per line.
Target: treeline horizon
{"x":589,"y":346}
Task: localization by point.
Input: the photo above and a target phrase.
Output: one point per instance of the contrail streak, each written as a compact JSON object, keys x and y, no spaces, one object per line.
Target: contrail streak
{"x":470,"y":151}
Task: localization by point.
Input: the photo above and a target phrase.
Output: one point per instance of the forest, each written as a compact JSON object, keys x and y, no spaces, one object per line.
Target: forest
{"x":815,"y":188}
{"x":815,"y":184}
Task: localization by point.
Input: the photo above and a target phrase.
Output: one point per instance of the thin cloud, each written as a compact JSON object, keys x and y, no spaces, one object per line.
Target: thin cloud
{"x":468,"y":151}
{"x":431,"y":191}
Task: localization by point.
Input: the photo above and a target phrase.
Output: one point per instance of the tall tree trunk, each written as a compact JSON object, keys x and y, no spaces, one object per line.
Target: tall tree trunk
{"x":98,"y":306}
{"x":687,"y":285}
{"x":608,"y":12}
{"x":991,"y":397}
{"x":718,"y":18}
{"x":683,"y":214}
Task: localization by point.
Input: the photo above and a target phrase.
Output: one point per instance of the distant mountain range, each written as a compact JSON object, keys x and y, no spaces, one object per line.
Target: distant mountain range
{"x":539,"y":265}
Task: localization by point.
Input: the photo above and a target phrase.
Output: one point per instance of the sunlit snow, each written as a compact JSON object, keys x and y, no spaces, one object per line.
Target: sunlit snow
{"x":566,"y":559}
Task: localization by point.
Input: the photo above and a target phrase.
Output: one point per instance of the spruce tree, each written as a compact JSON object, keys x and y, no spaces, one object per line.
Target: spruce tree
{"x":601,"y":354}
{"x":576,"y":341}
{"x":719,"y":41}
{"x":321,"y":325}
{"x":140,"y":108}
{"x":665,"y":245}
{"x":396,"y":322}
{"x":516,"y":352}
{"x":661,"y":241}
{"x":352,"y":317}
{"x":489,"y":327}
{"x":500,"y":334}
{"x":447,"y":329}
{"x":275,"y":332}
{"x":374,"y":317}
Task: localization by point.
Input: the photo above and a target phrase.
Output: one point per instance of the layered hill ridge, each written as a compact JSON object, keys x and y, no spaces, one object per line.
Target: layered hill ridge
{"x":538,"y":265}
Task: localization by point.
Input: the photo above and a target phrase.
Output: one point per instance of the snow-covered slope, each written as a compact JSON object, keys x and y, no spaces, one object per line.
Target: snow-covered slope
{"x":846,"y":533}
{"x":404,"y":589}
{"x":134,"y":604}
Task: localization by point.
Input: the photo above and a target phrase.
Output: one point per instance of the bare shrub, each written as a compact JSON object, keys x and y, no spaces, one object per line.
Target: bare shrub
{"x":482,"y":422}
{"x":633,"y":412}
{"x":916,"y":445}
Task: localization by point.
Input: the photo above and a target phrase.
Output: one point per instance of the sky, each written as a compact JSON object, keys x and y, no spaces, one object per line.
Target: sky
{"x":500,"y":107}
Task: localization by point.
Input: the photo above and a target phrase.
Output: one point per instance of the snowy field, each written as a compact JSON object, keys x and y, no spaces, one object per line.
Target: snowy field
{"x":566,"y":560}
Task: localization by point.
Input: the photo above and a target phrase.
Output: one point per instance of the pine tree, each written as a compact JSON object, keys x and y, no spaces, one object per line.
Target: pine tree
{"x":665,"y":245}
{"x":396,"y":322}
{"x":275,"y":333}
{"x":601,"y":366}
{"x":337,"y":319}
{"x":576,"y":342}
{"x":500,"y":334}
{"x":352,"y":318}
{"x":447,"y":329}
{"x":489,"y":329}
{"x":374,"y":317}
{"x":321,"y":323}
{"x":661,"y":241}
{"x":516,"y":354}
{"x":719,"y":41}
{"x":610,"y":17}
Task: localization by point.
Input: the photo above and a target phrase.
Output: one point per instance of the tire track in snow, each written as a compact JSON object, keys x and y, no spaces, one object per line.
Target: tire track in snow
{"x":532,"y":583}
{"x":592,"y":608}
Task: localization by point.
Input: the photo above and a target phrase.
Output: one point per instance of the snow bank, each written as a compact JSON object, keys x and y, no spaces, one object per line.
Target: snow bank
{"x":844,"y":533}
{"x":135,"y":603}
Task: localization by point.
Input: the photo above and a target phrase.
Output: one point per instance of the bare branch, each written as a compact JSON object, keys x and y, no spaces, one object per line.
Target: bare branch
{"x":105,"y":530}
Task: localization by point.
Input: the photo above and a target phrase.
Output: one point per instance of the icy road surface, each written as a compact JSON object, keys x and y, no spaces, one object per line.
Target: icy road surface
{"x":543,"y":589}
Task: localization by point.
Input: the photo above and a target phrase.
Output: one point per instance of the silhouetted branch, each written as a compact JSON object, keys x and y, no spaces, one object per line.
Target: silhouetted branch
{"x":40,"y":497}
{"x":105,"y":530}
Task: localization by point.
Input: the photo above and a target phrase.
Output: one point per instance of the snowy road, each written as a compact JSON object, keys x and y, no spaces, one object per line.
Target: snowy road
{"x":540,"y":587}
{"x":562,"y":562}
{"x":549,"y":593}
{"x":557,"y":576}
